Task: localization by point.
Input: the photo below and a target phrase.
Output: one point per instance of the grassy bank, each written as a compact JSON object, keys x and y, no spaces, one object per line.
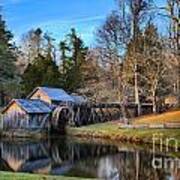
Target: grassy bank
{"x":169,"y":117}
{"x":112,"y":131}
{"x":24,"y":176}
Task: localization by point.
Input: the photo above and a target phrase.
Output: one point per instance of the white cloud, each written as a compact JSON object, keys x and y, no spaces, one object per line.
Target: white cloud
{"x":71,"y":21}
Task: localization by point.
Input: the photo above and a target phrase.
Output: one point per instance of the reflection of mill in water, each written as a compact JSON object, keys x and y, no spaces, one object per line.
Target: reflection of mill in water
{"x":40,"y":158}
{"x":79,"y":159}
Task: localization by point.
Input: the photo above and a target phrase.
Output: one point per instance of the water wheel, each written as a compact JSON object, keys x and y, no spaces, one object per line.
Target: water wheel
{"x":61,"y":116}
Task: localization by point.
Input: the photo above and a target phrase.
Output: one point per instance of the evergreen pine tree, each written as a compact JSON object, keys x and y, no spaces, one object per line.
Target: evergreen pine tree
{"x":7,"y":61}
{"x":43,"y":72}
{"x":73,"y":54}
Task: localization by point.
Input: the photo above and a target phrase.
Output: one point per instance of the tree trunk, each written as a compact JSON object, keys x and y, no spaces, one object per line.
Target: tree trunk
{"x":135,"y":38}
{"x":153,"y":90}
{"x":154,"y":102}
{"x":136,"y":90}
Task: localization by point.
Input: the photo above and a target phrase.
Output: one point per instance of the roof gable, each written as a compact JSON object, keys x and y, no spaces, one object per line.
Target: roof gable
{"x":30,"y":106}
{"x":54,"y":94}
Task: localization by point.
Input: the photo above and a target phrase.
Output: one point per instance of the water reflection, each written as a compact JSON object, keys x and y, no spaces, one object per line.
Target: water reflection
{"x":71,"y":158}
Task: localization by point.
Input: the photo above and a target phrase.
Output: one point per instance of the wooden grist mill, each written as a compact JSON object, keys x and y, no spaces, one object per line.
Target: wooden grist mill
{"x":51,"y":109}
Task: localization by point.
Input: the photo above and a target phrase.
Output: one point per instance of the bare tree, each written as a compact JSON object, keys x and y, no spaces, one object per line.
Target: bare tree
{"x":31,"y":45}
{"x":120,"y":29}
{"x":172,"y":13}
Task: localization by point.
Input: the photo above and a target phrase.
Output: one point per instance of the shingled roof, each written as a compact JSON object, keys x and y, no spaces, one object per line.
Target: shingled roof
{"x":30,"y":106}
{"x":55,"y":94}
{"x":79,"y":99}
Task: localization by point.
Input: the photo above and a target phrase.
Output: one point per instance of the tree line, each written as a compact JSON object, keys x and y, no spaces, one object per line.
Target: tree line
{"x":131,"y":60}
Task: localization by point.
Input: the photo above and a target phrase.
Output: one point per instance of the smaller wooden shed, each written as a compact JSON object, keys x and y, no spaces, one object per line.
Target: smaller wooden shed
{"x":26,"y":114}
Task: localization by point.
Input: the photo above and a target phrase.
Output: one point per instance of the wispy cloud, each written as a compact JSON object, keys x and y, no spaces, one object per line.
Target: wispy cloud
{"x":56,"y":17}
{"x":71,"y":21}
{"x":86,"y":19}
{"x":85,"y":27}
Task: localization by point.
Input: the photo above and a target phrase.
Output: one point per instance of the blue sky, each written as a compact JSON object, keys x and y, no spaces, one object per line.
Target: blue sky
{"x":57,"y":16}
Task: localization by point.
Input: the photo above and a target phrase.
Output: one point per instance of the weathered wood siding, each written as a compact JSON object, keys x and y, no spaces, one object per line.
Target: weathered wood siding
{"x":15,"y":117}
{"x":14,"y":112}
{"x":39,"y":94}
{"x":39,"y":121}
{"x":14,"y":108}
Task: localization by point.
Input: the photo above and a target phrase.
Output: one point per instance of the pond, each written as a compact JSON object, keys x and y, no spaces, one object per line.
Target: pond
{"x":83,"y":158}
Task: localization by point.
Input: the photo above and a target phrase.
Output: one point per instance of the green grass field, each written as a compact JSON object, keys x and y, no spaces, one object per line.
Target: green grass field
{"x":112,"y":130}
{"x":24,"y":176}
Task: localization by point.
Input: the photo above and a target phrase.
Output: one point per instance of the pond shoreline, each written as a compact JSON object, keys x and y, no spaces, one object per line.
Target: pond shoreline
{"x":19,"y":133}
{"x":106,"y":131}
{"x":111,"y":131}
